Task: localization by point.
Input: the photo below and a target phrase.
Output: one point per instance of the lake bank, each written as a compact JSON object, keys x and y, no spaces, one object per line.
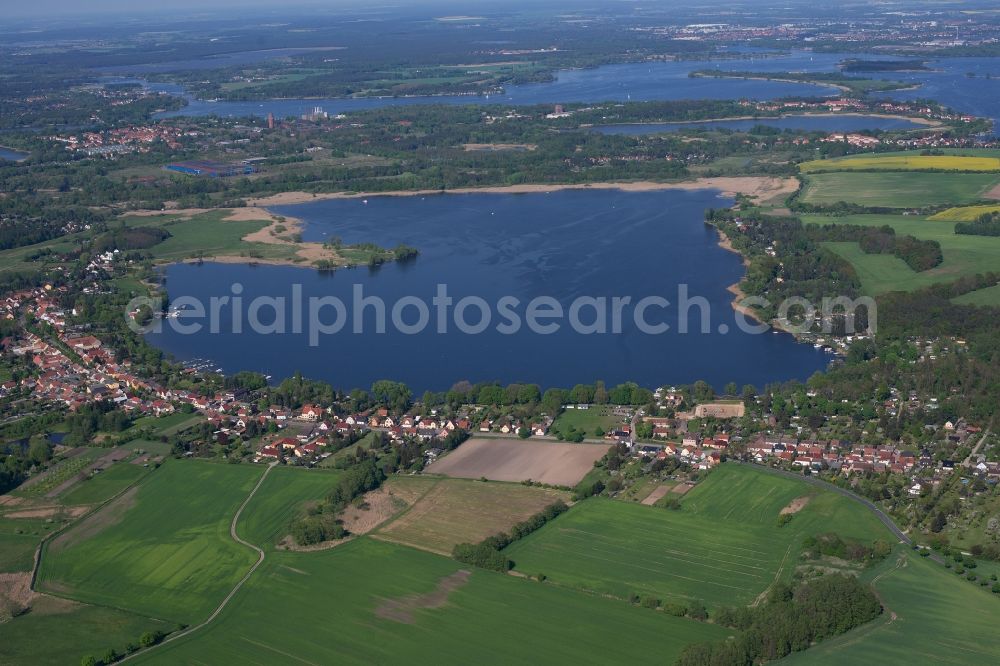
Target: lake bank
{"x":758,"y":187}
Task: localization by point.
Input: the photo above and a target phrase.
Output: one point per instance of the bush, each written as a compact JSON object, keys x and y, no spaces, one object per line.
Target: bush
{"x":697,"y":611}
{"x":482,"y":556}
{"x":677,"y":610}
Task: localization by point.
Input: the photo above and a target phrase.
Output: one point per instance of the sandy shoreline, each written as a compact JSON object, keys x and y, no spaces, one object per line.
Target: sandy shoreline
{"x":822,"y":84}
{"x":738,"y":296}
{"x":758,"y":187}
{"x":826,"y":114}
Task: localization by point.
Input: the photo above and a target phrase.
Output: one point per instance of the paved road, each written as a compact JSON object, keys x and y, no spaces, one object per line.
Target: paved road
{"x":982,"y":440}
{"x":232,"y":593}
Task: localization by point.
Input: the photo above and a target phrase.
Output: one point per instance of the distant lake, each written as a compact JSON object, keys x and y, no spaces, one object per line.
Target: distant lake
{"x":12,"y":155}
{"x":624,"y":82}
{"x":840,"y":123}
{"x":567,"y":244}
{"x":946,"y":81}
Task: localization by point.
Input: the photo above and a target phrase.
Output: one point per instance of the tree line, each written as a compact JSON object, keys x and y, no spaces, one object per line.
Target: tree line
{"x":487,"y":554}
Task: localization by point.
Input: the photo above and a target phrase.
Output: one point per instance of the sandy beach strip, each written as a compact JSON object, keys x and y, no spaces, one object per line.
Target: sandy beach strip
{"x":754,"y":186}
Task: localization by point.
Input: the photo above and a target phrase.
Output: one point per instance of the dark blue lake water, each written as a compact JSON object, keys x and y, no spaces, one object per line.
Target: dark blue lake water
{"x":843,"y":123}
{"x":565,"y":244}
{"x":11,"y":155}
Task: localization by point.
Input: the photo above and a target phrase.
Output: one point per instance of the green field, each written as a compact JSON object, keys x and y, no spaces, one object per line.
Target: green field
{"x":723,"y":546}
{"x":984,"y":297}
{"x":598,"y":417}
{"x":18,"y":539}
{"x":963,"y":254}
{"x":938,"y":620}
{"x":209,"y":234}
{"x":281,"y":497}
{"x":320,"y":608}
{"x":104,"y":485}
{"x":162,"y":549}
{"x":61,"y":632}
{"x":203,"y":235}
{"x":897,"y":189}
{"x":168,"y":425}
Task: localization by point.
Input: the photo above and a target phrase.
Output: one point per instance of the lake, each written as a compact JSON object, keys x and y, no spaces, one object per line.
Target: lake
{"x":623,"y":82}
{"x":947,"y":82}
{"x":564,"y":244}
{"x":12,"y":155}
{"x":824,"y":123}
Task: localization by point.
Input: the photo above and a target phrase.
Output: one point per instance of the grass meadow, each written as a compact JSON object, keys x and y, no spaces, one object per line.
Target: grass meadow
{"x":590,"y":421}
{"x":163,"y":549}
{"x":329,"y":607}
{"x":929,"y":613}
{"x":723,"y":547}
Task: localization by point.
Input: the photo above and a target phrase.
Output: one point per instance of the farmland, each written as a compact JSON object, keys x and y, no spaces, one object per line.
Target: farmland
{"x":963,"y":255}
{"x":104,"y":485}
{"x":373,"y":602}
{"x":18,"y":539}
{"x":722,"y":547}
{"x":904,"y":162}
{"x":516,"y":460}
{"x":897,"y":189}
{"x":455,"y":511}
{"x":943,"y":620}
{"x":283,"y":495}
{"x":59,"y":632}
{"x":162,"y":549}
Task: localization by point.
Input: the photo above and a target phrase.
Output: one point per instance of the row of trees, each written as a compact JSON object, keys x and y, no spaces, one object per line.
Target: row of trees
{"x":984,"y":225}
{"x":487,"y":554}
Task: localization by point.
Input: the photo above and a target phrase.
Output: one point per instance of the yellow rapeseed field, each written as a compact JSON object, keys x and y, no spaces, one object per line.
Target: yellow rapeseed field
{"x":904,"y":163}
{"x":963,"y":213}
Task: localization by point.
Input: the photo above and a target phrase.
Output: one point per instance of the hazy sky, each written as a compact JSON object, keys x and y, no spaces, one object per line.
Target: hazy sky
{"x":62,"y":8}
